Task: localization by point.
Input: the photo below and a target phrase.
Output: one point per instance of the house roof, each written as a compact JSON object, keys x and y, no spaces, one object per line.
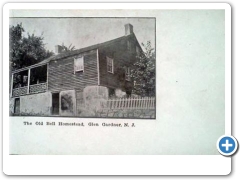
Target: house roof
{"x":75,"y":52}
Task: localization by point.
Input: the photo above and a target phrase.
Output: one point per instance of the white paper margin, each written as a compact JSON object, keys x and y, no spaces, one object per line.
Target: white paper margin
{"x":116,"y":165}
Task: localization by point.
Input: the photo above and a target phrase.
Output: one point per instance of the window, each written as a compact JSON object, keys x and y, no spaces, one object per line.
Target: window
{"x":79,"y":64}
{"x":110,"y":65}
{"x":128,"y":74}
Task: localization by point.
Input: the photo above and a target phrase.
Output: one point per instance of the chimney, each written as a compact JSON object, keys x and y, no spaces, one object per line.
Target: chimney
{"x":128,"y":29}
{"x":58,"y":49}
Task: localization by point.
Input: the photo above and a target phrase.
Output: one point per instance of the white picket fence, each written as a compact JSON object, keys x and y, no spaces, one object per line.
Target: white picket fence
{"x":129,"y":103}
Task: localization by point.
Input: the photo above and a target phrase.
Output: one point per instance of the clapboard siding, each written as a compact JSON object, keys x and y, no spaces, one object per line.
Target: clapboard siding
{"x":122,"y":59}
{"x":61,"y":73}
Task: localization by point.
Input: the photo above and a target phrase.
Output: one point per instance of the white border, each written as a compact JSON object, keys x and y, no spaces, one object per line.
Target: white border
{"x":116,"y":6}
{"x":116,"y":165}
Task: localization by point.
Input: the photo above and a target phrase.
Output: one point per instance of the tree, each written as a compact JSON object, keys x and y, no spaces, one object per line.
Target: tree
{"x":143,"y":72}
{"x":69,"y":48}
{"x":25,"y":51}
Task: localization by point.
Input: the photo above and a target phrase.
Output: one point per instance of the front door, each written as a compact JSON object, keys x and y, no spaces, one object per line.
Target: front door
{"x":17,"y":106}
{"x":55,"y":103}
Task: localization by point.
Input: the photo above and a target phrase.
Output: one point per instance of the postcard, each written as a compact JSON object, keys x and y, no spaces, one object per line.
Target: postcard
{"x":145,"y":88}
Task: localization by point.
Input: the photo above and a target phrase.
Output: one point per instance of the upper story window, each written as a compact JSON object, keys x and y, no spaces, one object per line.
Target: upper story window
{"x":128,"y":74}
{"x":79,"y":64}
{"x":110,"y":66}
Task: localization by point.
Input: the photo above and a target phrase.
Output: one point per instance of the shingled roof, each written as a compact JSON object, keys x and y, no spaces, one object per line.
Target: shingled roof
{"x":75,"y":52}
{"x":89,"y":48}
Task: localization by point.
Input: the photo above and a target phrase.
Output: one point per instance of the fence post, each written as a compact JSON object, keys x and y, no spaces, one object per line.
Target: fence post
{"x":130,"y":103}
{"x":145,"y":103}
{"x":134,"y":103}
{"x":28,"y":87}
{"x":138,"y":102}
{"x":151,"y":102}
{"x":119,"y":103}
{"x":148,"y":99}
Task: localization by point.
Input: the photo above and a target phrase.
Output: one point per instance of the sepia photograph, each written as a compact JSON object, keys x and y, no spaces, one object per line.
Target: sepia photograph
{"x":96,"y":67}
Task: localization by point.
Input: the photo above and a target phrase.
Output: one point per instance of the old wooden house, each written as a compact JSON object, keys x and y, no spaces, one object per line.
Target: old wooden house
{"x":65,"y":75}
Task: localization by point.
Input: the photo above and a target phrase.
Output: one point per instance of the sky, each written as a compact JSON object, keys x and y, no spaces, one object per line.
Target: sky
{"x":83,"y":32}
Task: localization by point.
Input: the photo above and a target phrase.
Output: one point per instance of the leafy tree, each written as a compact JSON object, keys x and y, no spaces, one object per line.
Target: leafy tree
{"x":25,"y":51}
{"x":69,"y":48}
{"x":143,"y":72}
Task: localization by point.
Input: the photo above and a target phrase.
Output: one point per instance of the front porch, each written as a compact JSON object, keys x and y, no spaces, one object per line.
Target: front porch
{"x":29,"y":80}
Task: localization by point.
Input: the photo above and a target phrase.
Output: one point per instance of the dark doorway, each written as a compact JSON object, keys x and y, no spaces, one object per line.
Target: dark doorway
{"x":55,"y":103}
{"x":111,"y":92}
{"x":17,"y":106}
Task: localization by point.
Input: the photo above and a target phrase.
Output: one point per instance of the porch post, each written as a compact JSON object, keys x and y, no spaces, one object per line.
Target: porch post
{"x":11,"y":86}
{"x":29,"y":74}
{"x":47,"y":75}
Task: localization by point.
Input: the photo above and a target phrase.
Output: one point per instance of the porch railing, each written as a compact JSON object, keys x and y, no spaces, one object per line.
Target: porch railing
{"x":19,"y":91}
{"x":36,"y":88}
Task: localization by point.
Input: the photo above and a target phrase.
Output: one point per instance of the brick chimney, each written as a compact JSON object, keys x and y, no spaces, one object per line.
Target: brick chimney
{"x":128,"y":29}
{"x":58,"y":49}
